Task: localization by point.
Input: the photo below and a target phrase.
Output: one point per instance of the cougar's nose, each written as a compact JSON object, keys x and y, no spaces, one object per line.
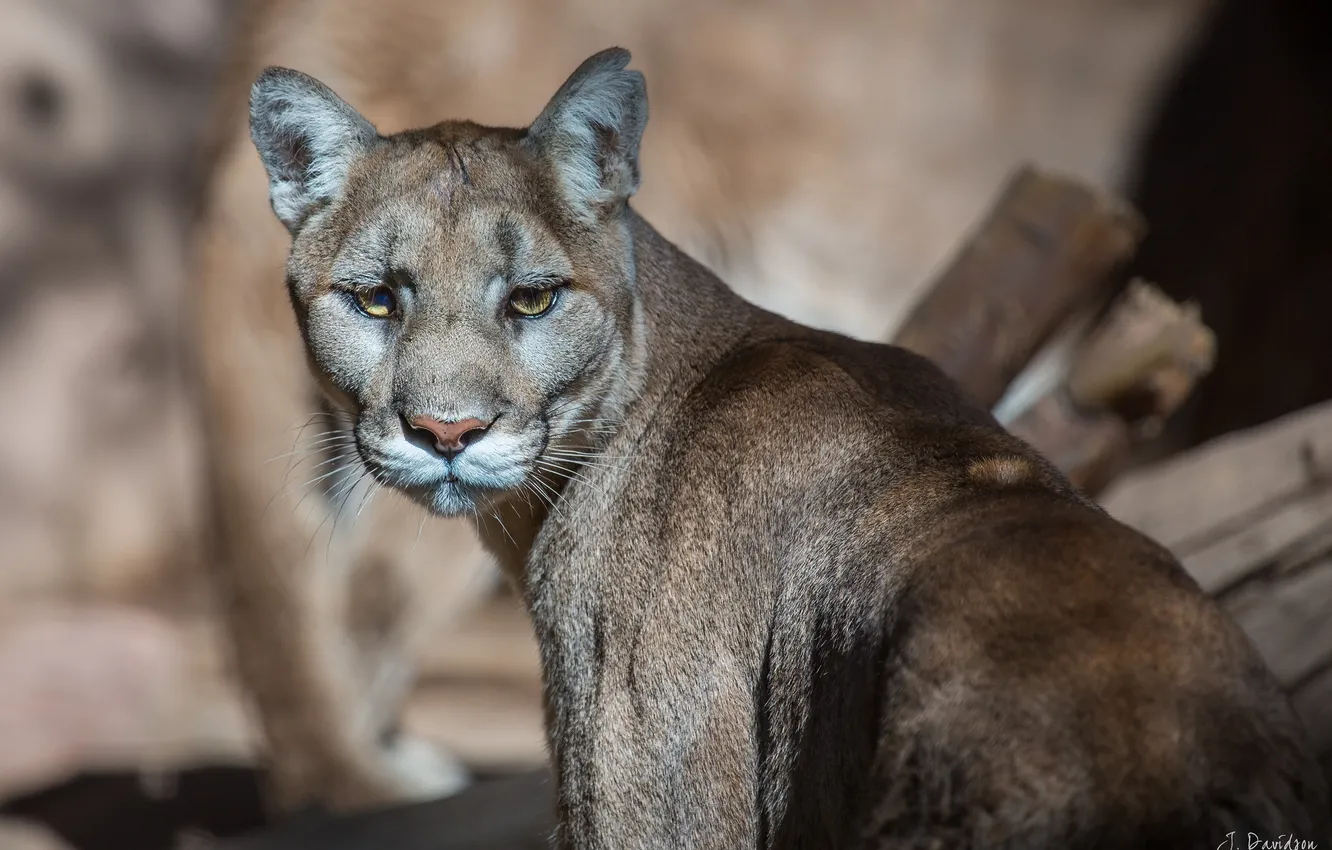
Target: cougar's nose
{"x":447,"y":438}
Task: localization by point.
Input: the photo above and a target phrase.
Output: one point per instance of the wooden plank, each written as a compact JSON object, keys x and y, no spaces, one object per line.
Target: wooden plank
{"x":479,"y":689}
{"x":1291,"y":534}
{"x":1128,"y":375}
{"x":493,"y":642}
{"x":489,"y":725}
{"x":1047,"y":246}
{"x":1191,"y":500}
{"x":1289,"y":619}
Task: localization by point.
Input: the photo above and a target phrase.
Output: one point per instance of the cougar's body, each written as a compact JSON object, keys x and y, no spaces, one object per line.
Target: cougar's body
{"x":820,"y":598}
{"x":791,"y":590}
{"x":822,"y":157}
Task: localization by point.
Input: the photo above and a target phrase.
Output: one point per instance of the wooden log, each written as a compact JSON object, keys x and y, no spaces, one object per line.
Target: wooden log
{"x":479,"y":690}
{"x":1127,"y":376}
{"x":1048,"y":246}
{"x":1225,"y":488}
{"x":1047,"y":250}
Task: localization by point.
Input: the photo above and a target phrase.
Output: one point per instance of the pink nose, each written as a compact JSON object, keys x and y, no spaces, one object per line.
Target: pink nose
{"x":450,"y":438}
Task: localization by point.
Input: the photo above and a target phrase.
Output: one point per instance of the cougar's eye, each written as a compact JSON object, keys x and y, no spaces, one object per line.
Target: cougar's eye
{"x":532,"y":302}
{"x":377,"y":303}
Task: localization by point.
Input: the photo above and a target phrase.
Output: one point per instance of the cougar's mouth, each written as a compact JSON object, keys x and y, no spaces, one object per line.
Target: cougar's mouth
{"x":465,"y":483}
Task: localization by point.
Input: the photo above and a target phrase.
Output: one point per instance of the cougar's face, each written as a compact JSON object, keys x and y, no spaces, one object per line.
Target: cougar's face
{"x":471,"y":341}
{"x":465,"y":293}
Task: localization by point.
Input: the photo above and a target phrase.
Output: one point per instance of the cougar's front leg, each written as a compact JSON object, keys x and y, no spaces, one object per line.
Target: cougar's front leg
{"x":657,"y":749}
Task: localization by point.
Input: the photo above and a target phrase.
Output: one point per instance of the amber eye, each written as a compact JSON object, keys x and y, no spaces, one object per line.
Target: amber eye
{"x":377,"y":303}
{"x":532,"y":302}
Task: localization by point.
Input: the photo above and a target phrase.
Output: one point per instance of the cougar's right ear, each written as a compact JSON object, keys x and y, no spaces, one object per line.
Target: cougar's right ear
{"x":307,"y":137}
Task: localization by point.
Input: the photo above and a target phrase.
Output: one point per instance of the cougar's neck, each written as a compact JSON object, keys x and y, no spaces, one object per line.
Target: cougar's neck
{"x":688,"y":320}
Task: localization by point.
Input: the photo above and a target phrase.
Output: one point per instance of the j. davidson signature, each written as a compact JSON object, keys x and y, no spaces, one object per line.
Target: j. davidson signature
{"x":1253,"y":841}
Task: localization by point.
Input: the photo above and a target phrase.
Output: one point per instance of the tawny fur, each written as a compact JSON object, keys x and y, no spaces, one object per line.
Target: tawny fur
{"x":790,"y":589}
{"x":823,"y":156}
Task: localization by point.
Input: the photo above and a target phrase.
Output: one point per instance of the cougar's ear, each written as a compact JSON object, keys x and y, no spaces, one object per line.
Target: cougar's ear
{"x":307,"y":137}
{"x":590,"y":132}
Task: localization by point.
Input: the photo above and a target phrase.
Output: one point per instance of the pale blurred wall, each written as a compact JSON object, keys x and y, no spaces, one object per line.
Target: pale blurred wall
{"x":102,"y":104}
{"x":824,"y":156}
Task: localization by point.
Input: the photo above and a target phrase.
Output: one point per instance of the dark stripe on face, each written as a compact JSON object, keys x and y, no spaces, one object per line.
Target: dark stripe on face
{"x":455,"y":156}
{"x":510,"y":240}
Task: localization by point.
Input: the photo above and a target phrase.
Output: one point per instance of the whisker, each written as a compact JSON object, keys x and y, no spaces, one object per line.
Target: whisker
{"x":553,"y":496}
{"x":310,"y":488}
{"x":342,"y":457}
{"x":419,"y":528}
{"x":590,"y":464}
{"x":341,"y":503}
{"x":286,"y":474}
{"x":346,"y":451}
{"x":338,"y":497}
{"x":572,"y":451}
{"x":325,"y":439}
{"x":569,"y":474}
{"x":581,"y":454}
{"x":369,"y":496}
{"x":311,"y":418}
{"x":325,"y":436}
{"x":504,"y":528}
{"x":529,"y":487}
{"x":337,"y":433}
{"x":314,"y":536}
{"x":285,"y":486}
{"x":313,"y":450}
{"x":568,"y":466}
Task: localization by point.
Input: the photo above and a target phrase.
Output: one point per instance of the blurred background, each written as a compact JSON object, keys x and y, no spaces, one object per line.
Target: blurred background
{"x":824,"y":157}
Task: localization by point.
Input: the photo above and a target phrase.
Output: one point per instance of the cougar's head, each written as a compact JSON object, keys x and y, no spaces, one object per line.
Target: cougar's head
{"x":465,"y":293}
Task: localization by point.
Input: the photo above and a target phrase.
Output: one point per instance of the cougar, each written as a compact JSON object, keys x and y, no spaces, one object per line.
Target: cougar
{"x":789,"y":589}
{"x":793,"y":151}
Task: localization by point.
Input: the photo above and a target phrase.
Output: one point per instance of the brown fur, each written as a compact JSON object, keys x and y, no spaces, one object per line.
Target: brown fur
{"x":1001,"y":471}
{"x":780,"y":600}
{"x":822,"y":156}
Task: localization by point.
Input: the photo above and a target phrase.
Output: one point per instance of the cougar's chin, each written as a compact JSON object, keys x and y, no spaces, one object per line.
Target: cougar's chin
{"x":452,"y":499}
{"x":448,"y":496}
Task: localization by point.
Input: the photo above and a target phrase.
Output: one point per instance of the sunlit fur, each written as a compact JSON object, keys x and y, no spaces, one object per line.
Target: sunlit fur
{"x":790,"y":590}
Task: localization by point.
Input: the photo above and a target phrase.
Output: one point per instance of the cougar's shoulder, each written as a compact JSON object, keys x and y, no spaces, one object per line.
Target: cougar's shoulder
{"x":803,"y":403}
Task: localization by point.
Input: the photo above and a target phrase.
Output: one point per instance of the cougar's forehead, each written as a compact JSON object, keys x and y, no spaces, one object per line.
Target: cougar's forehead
{"x":449,"y":165}
{"x":446,"y":210}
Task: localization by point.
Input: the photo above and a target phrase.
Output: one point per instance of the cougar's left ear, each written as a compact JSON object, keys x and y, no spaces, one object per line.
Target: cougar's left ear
{"x":591,"y":130}
{"x":307,"y":137}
